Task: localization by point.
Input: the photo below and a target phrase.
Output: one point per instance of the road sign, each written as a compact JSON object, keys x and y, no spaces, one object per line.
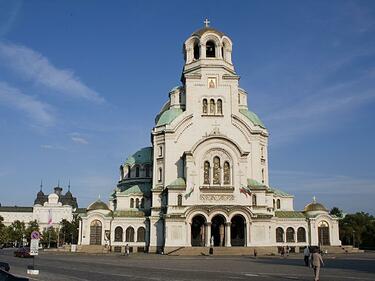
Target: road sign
{"x":35,"y":235}
{"x":34,"y":247}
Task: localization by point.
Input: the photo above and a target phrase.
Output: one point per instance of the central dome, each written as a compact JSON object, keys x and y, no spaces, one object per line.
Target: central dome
{"x":207,"y":29}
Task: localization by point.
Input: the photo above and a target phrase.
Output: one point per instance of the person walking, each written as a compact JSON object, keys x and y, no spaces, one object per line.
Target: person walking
{"x":316,"y":262}
{"x":306,"y":255}
{"x":127,"y":250}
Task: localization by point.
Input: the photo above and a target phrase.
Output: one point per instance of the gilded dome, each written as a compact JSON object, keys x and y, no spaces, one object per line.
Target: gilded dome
{"x":98,"y":205}
{"x":207,"y":29}
{"x":314,"y":206}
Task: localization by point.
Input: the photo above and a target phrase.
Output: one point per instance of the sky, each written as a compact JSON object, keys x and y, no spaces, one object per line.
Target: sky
{"x":82,"y":81}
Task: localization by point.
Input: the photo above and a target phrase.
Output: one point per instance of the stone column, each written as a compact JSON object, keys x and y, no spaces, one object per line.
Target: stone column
{"x":227,"y":234}
{"x":189,"y":234}
{"x":207,"y":226}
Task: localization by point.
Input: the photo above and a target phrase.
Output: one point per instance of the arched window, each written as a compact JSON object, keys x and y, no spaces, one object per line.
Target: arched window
{"x":274,"y":204}
{"x":301,"y":234}
{"x":323,"y":233}
{"x":128,"y":170}
{"x":278,"y":204}
{"x":279,"y":234}
{"x":254,"y":200}
{"x":210,"y":49}
{"x":160,"y":177}
{"x":212,"y":106}
{"x":290,"y":234}
{"x":222,"y":53}
{"x":179,"y":200}
{"x":216,"y":171}
{"x":226,"y":173}
{"x":137,"y":172}
{"x":262,"y":175}
{"x":130,"y":234}
{"x":160,"y":151}
{"x":142,"y":203}
{"x":205,"y":106}
{"x":196,"y":50}
{"x":121,"y":172}
{"x":206,"y":175}
{"x":118,"y":234}
{"x":141,"y":234}
{"x":239,"y":98}
{"x":147,"y":168}
{"x":131,"y":203}
{"x":137,"y":203}
{"x":219,"y":107}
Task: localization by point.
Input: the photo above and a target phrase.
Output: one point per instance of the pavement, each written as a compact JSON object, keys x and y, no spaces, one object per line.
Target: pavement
{"x":58,"y":266}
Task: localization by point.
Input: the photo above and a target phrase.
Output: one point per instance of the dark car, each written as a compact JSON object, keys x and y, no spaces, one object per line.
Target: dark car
{"x":9,"y":277}
{"x":23,"y":252}
{"x":4,"y":266}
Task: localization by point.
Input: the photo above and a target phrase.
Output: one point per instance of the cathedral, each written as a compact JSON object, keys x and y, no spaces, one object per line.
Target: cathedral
{"x":204,"y":181}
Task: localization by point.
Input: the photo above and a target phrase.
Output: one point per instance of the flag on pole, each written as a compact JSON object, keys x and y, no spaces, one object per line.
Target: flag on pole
{"x":49,"y":218}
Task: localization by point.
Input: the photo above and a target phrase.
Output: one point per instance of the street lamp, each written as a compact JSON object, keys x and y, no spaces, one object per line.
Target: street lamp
{"x":353,"y":232}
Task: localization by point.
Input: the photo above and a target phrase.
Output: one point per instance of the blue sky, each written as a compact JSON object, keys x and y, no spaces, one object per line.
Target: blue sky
{"x":81,"y":83}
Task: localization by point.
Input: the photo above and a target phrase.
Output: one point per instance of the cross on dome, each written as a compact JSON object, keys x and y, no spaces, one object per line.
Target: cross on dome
{"x":206,"y":22}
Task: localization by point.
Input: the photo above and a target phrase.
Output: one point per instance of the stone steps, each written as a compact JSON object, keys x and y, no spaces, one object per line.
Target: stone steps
{"x":222,"y":251}
{"x":92,"y":249}
{"x":341,"y":249}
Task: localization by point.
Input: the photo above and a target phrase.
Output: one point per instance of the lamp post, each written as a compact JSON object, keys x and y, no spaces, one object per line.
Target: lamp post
{"x":353,"y":232}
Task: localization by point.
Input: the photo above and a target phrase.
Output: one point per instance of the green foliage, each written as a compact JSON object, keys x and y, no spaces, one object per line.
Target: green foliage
{"x":32,"y":226}
{"x":358,"y":229}
{"x":16,"y":232}
{"x":3,"y":232}
{"x":49,"y":237}
{"x":336,"y":212}
{"x":69,"y":230}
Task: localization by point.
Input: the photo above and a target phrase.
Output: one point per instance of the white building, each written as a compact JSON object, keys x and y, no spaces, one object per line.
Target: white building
{"x":48,"y":210}
{"x":205,"y":178}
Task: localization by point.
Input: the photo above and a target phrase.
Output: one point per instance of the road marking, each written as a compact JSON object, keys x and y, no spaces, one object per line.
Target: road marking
{"x":251,"y":274}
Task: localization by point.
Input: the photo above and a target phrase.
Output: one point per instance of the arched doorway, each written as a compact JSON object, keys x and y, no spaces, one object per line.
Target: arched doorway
{"x":197,"y":231}
{"x":237,"y":231}
{"x":96,"y":233}
{"x":218,"y":230}
{"x":323,"y":233}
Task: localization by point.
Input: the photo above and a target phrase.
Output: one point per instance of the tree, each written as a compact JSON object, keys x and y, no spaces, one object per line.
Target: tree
{"x":49,"y":237}
{"x":336,"y":212}
{"x":16,"y":232}
{"x":358,"y":229}
{"x":69,"y":230}
{"x":3,"y":232}
{"x":32,"y":226}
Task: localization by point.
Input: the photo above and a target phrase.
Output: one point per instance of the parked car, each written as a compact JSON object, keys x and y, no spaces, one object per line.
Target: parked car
{"x":7,"y":276}
{"x":4,"y":266}
{"x":23,"y":252}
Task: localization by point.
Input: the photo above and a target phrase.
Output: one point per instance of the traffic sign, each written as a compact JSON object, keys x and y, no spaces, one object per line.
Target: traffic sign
{"x":35,"y":235}
{"x":34,"y":247}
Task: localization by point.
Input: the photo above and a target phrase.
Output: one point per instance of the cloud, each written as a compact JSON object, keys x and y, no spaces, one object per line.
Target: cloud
{"x":36,"y":110}
{"x":8,"y":15}
{"x":77,"y":138}
{"x":52,"y":147}
{"x":33,"y":66}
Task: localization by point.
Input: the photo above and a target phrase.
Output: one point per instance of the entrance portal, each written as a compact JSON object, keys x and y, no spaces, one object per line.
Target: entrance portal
{"x":95,"y":233}
{"x":323,"y":233}
{"x":218,"y":230}
{"x":237,"y":231}
{"x":197,"y":231}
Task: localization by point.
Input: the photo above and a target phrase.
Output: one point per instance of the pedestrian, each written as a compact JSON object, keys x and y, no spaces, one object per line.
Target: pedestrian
{"x":316,"y":262}
{"x":287,"y":251}
{"x":282,"y":251}
{"x":127,"y":250}
{"x":211,"y":252}
{"x":306,"y":255}
{"x":255,"y":253}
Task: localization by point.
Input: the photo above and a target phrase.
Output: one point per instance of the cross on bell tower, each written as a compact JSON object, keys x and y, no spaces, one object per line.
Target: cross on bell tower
{"x":206,"y":22}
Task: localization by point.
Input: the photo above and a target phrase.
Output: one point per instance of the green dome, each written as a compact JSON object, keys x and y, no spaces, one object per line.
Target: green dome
{"x":252,"y":117}
{"x":168,"y":116}
{"x":142,"y":156}
{"x":98,"y":205}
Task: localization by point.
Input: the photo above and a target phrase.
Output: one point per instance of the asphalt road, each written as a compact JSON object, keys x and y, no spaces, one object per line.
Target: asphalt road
{"x":70,"y":266}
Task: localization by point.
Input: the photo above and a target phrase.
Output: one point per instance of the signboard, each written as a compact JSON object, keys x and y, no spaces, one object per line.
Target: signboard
{"x":34,"y":245}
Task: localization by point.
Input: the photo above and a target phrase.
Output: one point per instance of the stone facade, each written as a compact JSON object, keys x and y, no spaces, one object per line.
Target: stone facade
{"x":205,"y":179}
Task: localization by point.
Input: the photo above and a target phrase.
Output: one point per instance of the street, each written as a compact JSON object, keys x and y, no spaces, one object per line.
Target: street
{"x":74,"y":266}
